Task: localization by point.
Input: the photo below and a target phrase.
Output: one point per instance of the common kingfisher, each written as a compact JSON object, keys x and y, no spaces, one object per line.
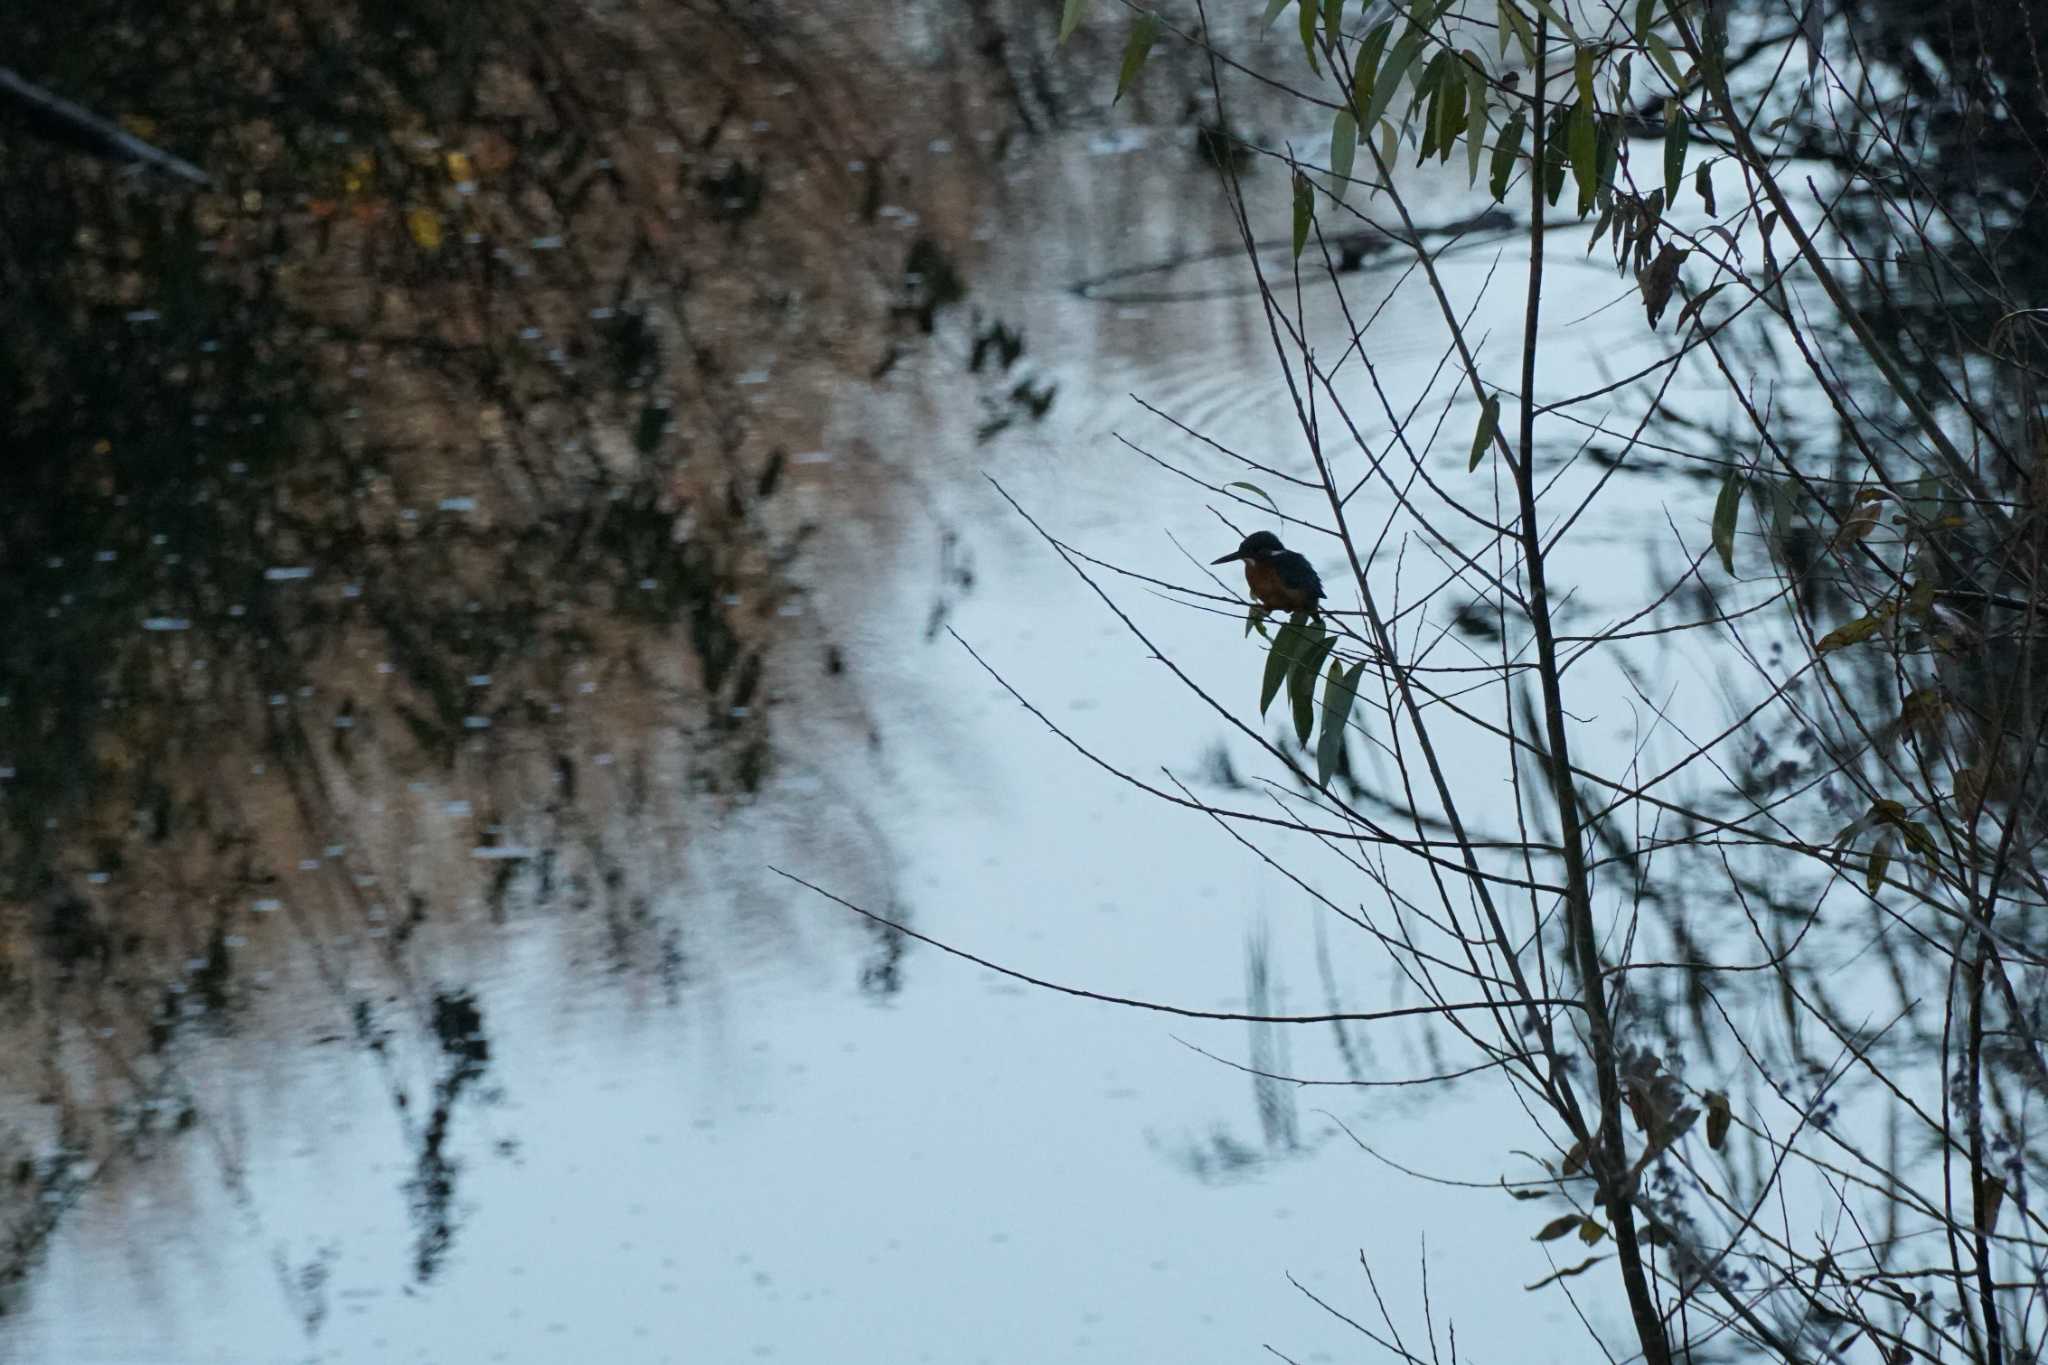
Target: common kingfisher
{"x":1281,"y":579}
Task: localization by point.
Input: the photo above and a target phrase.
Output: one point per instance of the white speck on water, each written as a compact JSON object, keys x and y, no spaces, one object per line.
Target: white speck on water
{"x":166,"y":623}
{"x":236,"y":940}
{"x":814,"y":457}
{"x":548,"y":243}
{"x":586,"y":688}
{"x":309,"y":864}
{"x":344,"y":722}
{"x":476,"y":722}
{"x":384,"y":666}
{"x":790,"y":609}
{"x":479,"y":680}
{"x":856,"y":165}
{"x":456,"y":808}
{"x":97,"y":878}
{"x":144,"y":315}
{"x":237,"y":610}
{"x":267,"y":905}
{"x":600,"y":314}
{"x":334,"y":850}
{"x":278,"y":699}
{"x":408,"y":514}
{"x":742,"y":712}
{"x":7,"y":773}
{"x":1119,"y":142}
{"x":752,"y":377}
{"x":529,"y":334}
{"x":939,"y":146}
{"x":731,"y":599}
{"x":351,"y":590}
{"x":458,"y":504}
{"x":603,"y":760}
{"x":648,"y":585}
{"x":287,"y":573}
{"x":106,"y":556}
{"x":500,"y":852}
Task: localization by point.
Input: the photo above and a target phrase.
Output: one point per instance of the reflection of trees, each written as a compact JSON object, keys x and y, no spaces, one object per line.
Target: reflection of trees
{"x":421,"y":445}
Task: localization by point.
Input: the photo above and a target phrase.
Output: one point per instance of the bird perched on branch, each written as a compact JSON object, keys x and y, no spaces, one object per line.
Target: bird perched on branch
{"x":1278,"y":577}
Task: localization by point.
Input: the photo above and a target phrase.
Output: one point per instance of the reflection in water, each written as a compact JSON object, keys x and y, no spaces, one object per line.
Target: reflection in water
{"x":479,"y":616}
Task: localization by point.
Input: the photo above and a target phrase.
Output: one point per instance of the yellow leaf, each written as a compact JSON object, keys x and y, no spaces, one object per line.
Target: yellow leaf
{"x":425,"y":226}
{"x":141,"y":125}
{"x":1855,"y":632}
{"x":459,"y":167}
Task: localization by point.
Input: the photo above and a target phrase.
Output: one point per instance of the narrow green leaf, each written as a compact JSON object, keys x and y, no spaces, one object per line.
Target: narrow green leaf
{"x":1476,"y":92}
{"x":1505,"y":152}
{"x":1646,"y":15}
{"x":1389,"y":79}
{"x":1585,"y":151}
{"x":1308,"y":35}
{"x":1261,"y":494}
{"x":1273,"y":9}
{"x":1451,"y":124}
{"x":1143,"y":34}
{"x":1390,"y":144}
{"x":1489,"y":423}
{"x":1070,"y":17}
{"x":1697,"y":302}
{"x":1286,"y":642}
{"x":1525,"y":32}
{"x":1333,"y":21}
{"x":1675,"y":133}
{"x":1880,"y":861}
{"x":1725,"y":508}
{"x":1703,"y":185}
{"x":1660,"y":53}
{"x":1582,"y":74}
{"x":1255,"y":619}
{"x":1554,"y":154}
{"x":1338,"y":696}
{"x":1304,"y":211}
{"x":1301,"y":685}
{"x":1343,"y":148}
{"x":1365,"y":69}
{"x":1432,"y":121}
{"x":1556,"y":16}
{"x":1581,"y":1268}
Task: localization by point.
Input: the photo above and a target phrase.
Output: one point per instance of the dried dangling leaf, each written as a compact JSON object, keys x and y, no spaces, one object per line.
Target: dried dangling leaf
{"x":1658,"y":279}
{"x":1557,"y":1227}
{"x":1990,"y":1195}
{"x":1719,"y":1116}
{"x":1581,"y":1268}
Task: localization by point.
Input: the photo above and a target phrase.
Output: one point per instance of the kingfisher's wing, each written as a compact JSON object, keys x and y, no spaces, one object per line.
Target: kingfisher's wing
{"x":1296,"y":573}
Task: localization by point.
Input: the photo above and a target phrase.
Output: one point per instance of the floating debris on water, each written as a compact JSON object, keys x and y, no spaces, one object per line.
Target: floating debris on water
{"x":458,"y":504}
{"x":288,"y":573}
{"x":166,"y":623}
{"x":500,"y":852}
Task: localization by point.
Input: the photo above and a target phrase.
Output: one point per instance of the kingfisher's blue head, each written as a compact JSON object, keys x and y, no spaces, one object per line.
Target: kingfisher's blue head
{"x":1256,"y":546}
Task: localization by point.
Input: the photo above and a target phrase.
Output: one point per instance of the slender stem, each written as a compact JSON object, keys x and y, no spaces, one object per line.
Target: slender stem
{"x":1611,"y":1158}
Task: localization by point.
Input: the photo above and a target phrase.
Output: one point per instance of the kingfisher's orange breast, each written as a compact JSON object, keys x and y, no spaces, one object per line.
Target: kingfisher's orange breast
{"x":1273,"y":591}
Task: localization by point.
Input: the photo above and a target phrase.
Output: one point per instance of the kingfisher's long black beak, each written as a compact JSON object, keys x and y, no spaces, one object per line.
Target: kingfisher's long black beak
{"x":1234,"y":554}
